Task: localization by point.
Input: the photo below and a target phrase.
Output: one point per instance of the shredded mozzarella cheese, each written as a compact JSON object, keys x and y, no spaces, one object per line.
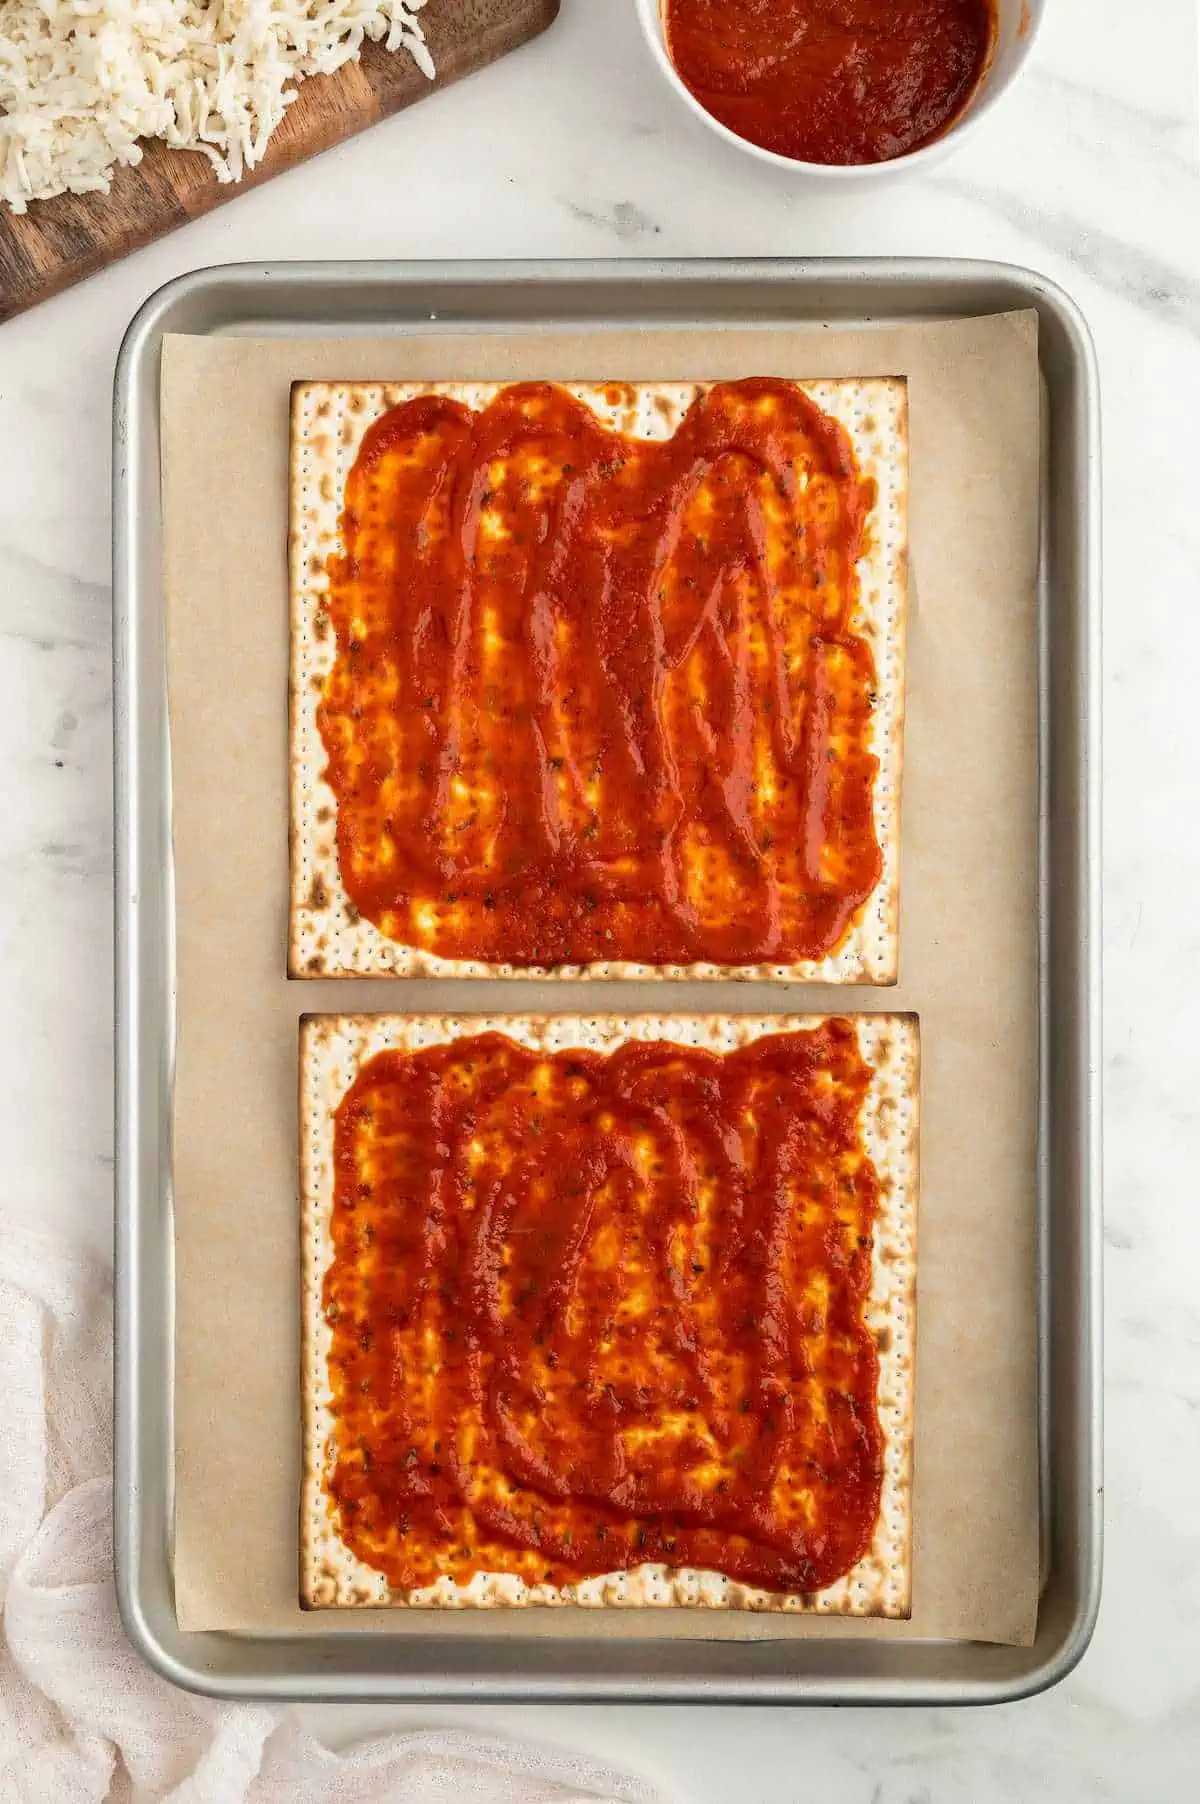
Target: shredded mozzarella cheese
{"x":83,"y":81}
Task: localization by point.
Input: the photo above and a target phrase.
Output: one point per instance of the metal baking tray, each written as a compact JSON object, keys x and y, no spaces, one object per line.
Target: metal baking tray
{"x":313,"y":299}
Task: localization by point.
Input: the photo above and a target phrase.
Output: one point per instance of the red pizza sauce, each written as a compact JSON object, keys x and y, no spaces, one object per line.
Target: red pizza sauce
{"x":599,"y":697}
{"x":590,"y":1311}
{"x":832,"y":81}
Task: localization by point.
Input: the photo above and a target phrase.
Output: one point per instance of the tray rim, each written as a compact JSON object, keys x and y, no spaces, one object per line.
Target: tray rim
{"x":814,"y":278}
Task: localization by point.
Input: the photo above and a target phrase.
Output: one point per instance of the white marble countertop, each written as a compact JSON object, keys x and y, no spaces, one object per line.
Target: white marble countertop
{"x":1091,"y":173}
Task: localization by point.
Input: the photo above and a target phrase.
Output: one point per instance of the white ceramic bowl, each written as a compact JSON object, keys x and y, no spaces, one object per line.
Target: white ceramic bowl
{"x":1018,"y":25}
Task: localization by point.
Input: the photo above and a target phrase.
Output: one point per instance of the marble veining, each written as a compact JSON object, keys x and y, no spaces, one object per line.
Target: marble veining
{"x":1091,"y":172}
{"x":1122,"y":269}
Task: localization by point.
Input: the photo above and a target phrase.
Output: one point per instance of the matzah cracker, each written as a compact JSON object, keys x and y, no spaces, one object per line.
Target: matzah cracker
{"x":333,"y":1051}
{"x":328,"y":937}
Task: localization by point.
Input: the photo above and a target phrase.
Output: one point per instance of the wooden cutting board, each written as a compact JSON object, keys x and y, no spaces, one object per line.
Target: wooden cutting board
{"x":62,"y":240}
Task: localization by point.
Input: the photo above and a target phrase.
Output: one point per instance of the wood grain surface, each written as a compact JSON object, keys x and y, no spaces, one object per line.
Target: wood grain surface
{"x":62,"y":240}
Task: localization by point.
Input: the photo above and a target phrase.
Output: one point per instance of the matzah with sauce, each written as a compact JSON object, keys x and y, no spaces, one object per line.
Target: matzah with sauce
{"x":328,"y":935}
{"x":334,"y":1050}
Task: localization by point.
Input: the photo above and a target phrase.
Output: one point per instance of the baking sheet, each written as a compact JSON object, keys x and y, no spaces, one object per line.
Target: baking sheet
{"x":968,"y":949}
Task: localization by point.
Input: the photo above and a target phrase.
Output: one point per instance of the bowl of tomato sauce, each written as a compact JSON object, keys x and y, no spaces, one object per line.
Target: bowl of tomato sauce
{"x":841,"y":88}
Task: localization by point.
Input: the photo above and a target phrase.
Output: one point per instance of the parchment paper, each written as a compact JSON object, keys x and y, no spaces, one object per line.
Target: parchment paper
{"x":968,"y":949}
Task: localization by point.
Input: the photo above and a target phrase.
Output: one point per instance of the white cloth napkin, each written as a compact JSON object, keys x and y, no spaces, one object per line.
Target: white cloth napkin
{"x":81,"y":1718}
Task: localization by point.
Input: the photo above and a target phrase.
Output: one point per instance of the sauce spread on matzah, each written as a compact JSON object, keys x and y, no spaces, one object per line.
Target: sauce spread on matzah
{"x":598,"y":697}
{"x":832,"y":81}
{"x":590,"y":1311}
